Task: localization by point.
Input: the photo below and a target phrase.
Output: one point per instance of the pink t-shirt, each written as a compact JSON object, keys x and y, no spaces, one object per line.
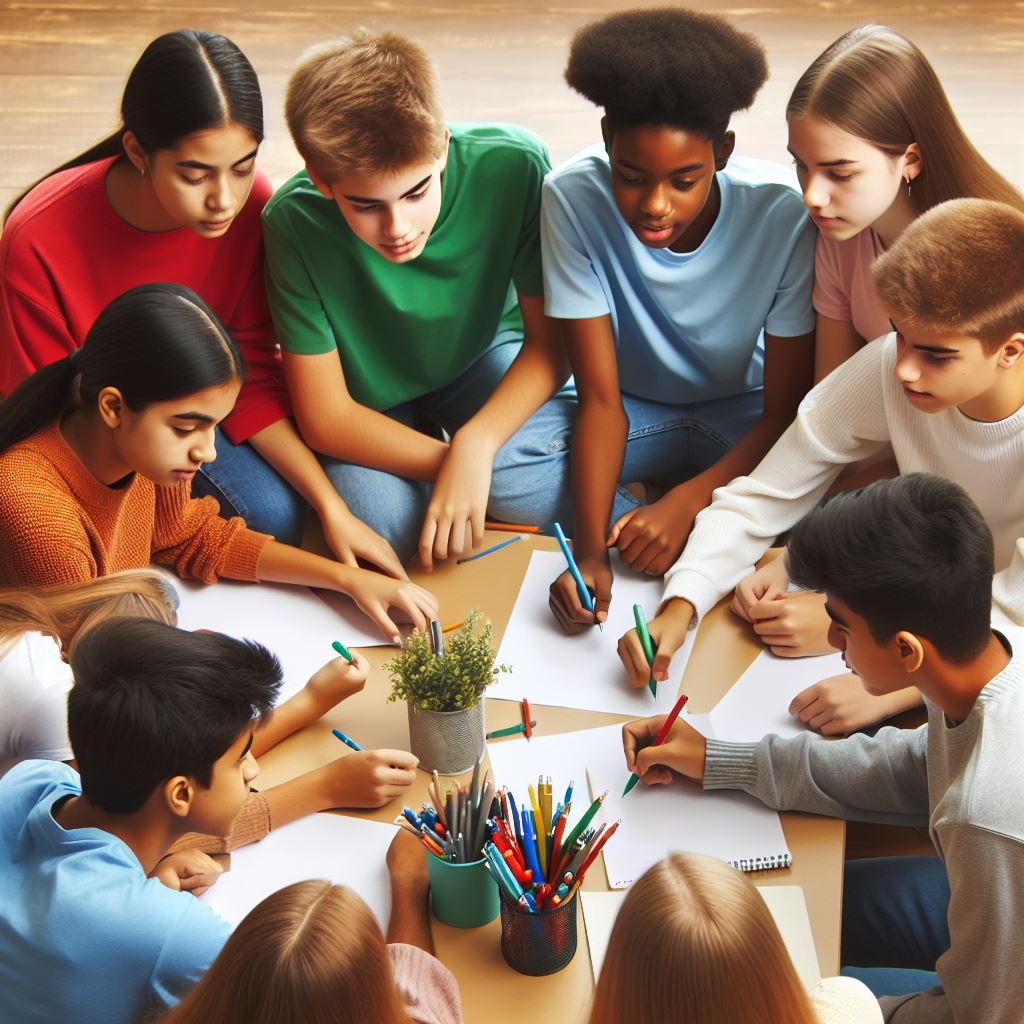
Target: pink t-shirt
{"x":843,"y":287}
{"x":428,"y":989}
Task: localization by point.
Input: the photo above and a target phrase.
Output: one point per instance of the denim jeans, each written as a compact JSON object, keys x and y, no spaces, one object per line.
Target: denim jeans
{"x":895,"y":922}
{"x":245,"y":485}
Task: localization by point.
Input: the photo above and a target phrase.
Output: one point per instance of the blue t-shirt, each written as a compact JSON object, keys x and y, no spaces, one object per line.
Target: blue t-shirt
{"x":689,"y":327}
{"x":85,"y":936}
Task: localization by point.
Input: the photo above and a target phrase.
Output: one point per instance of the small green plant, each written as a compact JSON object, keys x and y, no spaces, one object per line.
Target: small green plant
{"x":452,"y":683}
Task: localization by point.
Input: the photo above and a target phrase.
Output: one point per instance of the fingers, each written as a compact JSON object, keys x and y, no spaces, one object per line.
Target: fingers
{"x":631,"y":654}
{"x":738,"y":606}
{"x":564,"y":602}
{"x":656,"y":776}
{"x":662,"y":659}
{"x":804,"y":699}
{"x":426,"y":545}
{"x":397,"y":759}
{"x":476,"y":524}
{"x":378,"y":614}
{"x":638,"y":734}
{"x":618,"y":525}
{"x":383,"y":556}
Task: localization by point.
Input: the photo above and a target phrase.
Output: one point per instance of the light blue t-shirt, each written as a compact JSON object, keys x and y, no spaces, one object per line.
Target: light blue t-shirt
{"x":85,"y":936}
{"x":689,"y":327}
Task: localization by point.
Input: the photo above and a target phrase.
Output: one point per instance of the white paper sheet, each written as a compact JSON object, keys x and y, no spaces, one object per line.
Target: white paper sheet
{"x":584,"y":671}
{"x":786,"y":903}
{"x":294,"y":622}
{"x":347,"y":851}
{"x":758,"y":703}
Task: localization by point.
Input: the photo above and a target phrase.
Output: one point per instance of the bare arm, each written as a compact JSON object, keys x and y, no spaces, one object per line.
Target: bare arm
{"x":834,"y":342}
{"x":410,"y":893}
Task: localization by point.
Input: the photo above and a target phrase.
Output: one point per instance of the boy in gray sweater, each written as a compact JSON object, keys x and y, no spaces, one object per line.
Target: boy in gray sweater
{"x":906,"y":567}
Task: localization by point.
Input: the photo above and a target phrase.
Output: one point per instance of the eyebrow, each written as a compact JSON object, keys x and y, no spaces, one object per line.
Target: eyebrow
{"x":688,"y":169}
{"x":404,"y":195}
{"x":197,"y":166}
{"x":198,"y":417}
{"x":825,"y":163}
{"x":939,"y":349}
{"x":837,"y":619}
{"x":248,"y":747}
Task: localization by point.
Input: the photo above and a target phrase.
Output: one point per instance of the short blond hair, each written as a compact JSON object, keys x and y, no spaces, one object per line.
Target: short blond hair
{"x":958,"y":267}
{"x":366,"y":103}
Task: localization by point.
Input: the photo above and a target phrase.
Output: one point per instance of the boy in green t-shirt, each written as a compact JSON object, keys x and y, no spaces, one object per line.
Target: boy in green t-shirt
{"x":404,"y":277}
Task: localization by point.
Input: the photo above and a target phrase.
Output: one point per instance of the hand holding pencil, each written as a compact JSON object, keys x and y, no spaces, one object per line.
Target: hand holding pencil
{"x":682,"y":750}
{"x":667,"y":632}
{"x":580,"y":596}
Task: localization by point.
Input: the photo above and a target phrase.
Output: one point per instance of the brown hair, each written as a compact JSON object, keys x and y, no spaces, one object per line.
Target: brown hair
{"x":694,"y":937}
{"x":877,"y":85}
{"x":65,"y":610}
{"x":366,"y":103}
{"x":311,"y":953}
{"x":959,"y":267}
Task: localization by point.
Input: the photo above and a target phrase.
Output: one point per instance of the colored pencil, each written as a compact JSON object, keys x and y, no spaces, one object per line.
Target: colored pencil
{"x":492,"y":524}
{"x":527,"y":724}
{"x":349,"y":742}
{"x":489,"y":551}
{"x":662,"y":733}
{"x":645,"y":642}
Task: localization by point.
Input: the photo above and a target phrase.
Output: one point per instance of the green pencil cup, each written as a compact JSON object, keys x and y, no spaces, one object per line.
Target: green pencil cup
{"x":462,"y":895}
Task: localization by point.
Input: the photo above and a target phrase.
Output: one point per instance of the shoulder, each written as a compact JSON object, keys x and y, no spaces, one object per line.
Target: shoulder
{"x":30,"y":783}
{"x":765,"y":186}
{"x":845,"y":1001}
{"x":428,"y":989}
{"x":298,"y":193}
{"x":504,"y":145}
{"x":583,"y":180}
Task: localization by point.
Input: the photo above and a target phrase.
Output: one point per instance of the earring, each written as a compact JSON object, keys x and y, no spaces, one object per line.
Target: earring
{"x":907,"y":180}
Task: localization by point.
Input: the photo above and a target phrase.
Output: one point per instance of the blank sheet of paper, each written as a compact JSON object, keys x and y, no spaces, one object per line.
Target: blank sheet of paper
{"x":584,"y":671}
{"x":346,"y":851}
{"x":786,"y":903}
{"x":294,"y":622}
{"x":758,"y":703}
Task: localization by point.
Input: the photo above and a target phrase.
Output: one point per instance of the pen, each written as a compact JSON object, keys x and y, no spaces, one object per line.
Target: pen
{"x":346,"y":740}
{"x":662,"y":733}
{"x":645,"y":642}
{"x":436,"y":638}
{"x":480,"y":554}
{"x":342,"y":650}
{"x":581,"y":587}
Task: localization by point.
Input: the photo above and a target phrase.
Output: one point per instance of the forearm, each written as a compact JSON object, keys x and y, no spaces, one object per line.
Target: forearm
{"x":410,"y":915}
{"x":281,"y":563}
{"x":295,"y":713}
{"x":598,"y":447}
{"x":298,"y":797}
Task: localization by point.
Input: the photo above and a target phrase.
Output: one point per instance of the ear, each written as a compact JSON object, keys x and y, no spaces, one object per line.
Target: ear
{"x":1011,"y":351}
{"x":111,"y":406}
{"x":724,"y":150}
{"x":443,"y":161}
{"x":319,"y":184}
{"x":910,"y":650}
{"x":178,"y":795}
{"x":606,"y":134}
{"x":913,"y":164}
{"x":136,"y":154}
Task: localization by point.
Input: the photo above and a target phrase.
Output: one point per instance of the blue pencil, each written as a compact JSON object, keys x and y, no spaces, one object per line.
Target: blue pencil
{"x":581,"y":587}
{"x":480,"y":554}
{"x":346,"y":740}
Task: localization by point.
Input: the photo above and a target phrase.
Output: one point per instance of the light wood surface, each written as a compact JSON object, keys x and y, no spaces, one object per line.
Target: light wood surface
{"x":492,"y":991}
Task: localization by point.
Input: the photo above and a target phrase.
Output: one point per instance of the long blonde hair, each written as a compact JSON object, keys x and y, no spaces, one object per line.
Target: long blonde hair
{"x":877,"y":85}
{"x":311,"y":953}
{"x":64,"y":610}
{"x":695,"y":943}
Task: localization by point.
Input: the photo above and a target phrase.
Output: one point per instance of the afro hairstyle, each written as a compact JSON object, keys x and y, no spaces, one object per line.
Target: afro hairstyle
{"x":667,"y":65}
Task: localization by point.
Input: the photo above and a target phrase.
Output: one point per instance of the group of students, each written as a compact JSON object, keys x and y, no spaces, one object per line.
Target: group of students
{"x":192,"y":363}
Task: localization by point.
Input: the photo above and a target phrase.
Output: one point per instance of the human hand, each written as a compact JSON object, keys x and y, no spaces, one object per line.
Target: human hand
{"x":651,"y":538}
{"x":458,"y":503}
{"x":407,"y":861}
{"x":793,"y":626}
{"x":564,"y":596}
{"x":338,"y":680}
{"x":350,"y":539}
{"x":188,"y":871}
{"x":367,"y":778}
{"x":840,"y":705}
{"x":668,"y":631}
{"x":764,"y":584}
{"x":375,"y":594}
{"x":682,"y":752}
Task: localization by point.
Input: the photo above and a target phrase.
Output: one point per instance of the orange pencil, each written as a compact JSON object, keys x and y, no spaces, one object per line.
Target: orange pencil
{"x":556,"y":844}
{"x":451,"y":626}
{"x":511,"y":527}
{"x":526,"y":718}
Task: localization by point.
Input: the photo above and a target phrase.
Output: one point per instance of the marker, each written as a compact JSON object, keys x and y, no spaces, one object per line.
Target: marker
{"x":343,"y":651}
{"x":436,"y":638}
{"x":645,"y":641}
{"x":527,"y":724}
{"x":511,"y":730}
{"x":662,"y":733}
{"x":581,"y":587}
{"x":346,"y":740}
{"x":480,"y":554}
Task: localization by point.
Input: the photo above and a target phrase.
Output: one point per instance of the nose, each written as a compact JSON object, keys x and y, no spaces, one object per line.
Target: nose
{"x":397,"y":224}
{"x":250,"y":768}
{"x":835,"y":638}
{"x":906,"y":368}
{"x":220,"y":199}
{"x":655,"y":203}
{"x":816,"y":195}
{"x":204,"y":452}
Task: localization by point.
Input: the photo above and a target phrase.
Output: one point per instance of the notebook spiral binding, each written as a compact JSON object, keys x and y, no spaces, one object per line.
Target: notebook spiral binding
{"x":778,"y":860}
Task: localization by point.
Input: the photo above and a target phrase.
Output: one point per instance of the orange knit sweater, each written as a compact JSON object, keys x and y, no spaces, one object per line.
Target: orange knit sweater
{"x":59,"y":524}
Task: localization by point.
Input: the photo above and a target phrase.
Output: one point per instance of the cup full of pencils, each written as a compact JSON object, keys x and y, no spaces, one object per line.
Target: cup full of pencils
{"x":453,"y":829}
{"x":539,"y":862}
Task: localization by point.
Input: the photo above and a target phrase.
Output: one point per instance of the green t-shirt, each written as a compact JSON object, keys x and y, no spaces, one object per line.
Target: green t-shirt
{"x":404,"y":330}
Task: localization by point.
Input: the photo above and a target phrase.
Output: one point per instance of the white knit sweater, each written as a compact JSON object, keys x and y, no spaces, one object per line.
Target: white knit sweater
{"x":848,"y":417}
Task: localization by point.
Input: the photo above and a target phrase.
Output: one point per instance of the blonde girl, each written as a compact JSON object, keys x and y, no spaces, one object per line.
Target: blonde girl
{"x":695,"y":943}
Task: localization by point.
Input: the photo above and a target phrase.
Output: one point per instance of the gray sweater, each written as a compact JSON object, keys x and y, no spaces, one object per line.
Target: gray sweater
{"x":967,"y":783}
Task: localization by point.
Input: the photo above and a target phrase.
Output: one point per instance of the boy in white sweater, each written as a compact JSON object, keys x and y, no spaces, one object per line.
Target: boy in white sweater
{"x":905,"y":566}
{"x":946,"y":389}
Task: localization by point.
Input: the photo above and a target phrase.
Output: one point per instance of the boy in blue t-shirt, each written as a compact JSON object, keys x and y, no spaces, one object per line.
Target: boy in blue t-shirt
{"x":91,"y":927}
{"x":682,"y":282}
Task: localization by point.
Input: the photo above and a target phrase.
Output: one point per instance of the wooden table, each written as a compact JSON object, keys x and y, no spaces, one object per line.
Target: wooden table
{"x":491,"y":991}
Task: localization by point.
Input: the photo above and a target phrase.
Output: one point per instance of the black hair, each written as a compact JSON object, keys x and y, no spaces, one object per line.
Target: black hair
{"x":154,"y":343}
{"x":151,"y":701}
{"x":911,"y":554}
{"x":184,"y":82}
{"x":667,"y":65}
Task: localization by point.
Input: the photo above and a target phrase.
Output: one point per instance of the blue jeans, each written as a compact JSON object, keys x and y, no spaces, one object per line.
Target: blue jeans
{"x":895,"y":922}
{"x":244,"y":485}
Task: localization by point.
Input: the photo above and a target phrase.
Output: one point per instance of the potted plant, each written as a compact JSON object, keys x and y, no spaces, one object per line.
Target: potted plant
{"x":444,"y":694}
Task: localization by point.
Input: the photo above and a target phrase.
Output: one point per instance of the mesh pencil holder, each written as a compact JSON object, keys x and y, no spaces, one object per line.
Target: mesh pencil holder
{"x":537,"y":944}
{"x":450,"y":742}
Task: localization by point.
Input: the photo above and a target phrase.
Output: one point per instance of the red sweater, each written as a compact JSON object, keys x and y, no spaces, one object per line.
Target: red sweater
{"x":65,"y":253}
{"x":59,"y":524}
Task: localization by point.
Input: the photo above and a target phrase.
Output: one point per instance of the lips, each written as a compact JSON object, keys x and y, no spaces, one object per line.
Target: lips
{"x":216,"y":225}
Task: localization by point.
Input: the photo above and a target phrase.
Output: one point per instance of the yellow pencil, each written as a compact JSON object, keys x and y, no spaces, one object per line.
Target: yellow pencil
{"x":542,"y":839}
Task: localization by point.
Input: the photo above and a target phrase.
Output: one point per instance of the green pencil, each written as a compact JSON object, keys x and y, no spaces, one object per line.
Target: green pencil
{"x":342,"y":650}
{"x":510,"y":730}
{"x":645,"y":640}
{"x":583,"y":823}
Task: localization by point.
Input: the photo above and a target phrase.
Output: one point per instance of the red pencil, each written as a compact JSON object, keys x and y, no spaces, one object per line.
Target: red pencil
{"x":593,"y":854}
{"x":556,"y":843}
{"x":526,"y":718}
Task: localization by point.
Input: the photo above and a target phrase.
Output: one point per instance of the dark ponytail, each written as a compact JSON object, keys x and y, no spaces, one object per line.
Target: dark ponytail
{"x":184,"y":82}
{"x":154,"y":343}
